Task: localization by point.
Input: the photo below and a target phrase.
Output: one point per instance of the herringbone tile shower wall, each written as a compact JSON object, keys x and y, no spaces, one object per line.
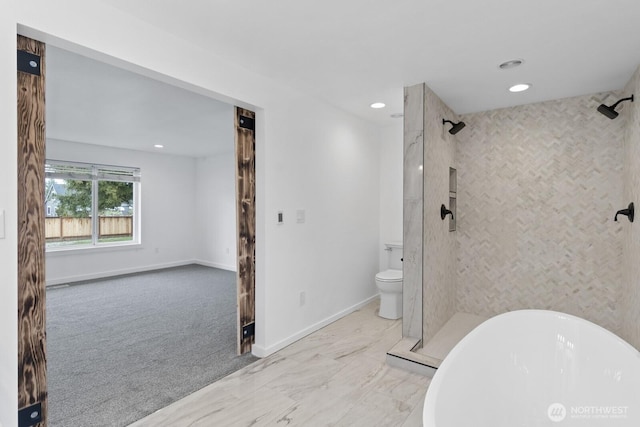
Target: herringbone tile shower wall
{"x":631,"y":240}
{"x":439,"y":260}
{"x":538,"y":186}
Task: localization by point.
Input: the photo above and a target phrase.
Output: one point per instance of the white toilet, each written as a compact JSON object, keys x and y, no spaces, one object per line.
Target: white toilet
{"x":389,"y":283}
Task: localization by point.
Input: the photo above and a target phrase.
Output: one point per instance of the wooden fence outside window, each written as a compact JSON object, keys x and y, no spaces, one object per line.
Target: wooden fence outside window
{"x":67,"y":228}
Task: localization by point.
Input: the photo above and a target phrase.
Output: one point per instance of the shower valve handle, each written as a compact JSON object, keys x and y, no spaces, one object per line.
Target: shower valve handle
{"x":444,"y":212}
{"x":629,"y":212}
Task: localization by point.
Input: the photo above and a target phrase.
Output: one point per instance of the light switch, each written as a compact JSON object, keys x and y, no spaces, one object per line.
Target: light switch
{"x":300,"y":214}
{"x":280,"y":218}
{"x":1,"y":223}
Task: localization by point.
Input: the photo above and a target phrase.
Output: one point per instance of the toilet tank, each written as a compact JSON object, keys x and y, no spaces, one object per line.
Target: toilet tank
{"x":394,"y":255}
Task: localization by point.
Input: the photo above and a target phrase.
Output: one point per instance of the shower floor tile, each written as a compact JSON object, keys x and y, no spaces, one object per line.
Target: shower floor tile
{"x":451,"y":333}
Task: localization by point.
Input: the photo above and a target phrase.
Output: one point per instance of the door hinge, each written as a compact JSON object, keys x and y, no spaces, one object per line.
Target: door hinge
{"x":31,"y":415}
{"x":247,"y":123}
{"x":28,"y":63}
{"x":248,"y":330}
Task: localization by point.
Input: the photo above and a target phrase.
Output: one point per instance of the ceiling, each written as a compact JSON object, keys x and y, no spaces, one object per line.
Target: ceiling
{"x":95,"y":103}
{"x":355,"y":52}
{"x":350,"y":53}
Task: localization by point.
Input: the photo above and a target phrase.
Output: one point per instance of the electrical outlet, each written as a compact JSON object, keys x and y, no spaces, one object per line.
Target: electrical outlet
{"x":303,"y":298}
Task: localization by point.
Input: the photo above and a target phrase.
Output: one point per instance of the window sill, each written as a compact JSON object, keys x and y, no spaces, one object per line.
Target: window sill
{"x":77,"y":250}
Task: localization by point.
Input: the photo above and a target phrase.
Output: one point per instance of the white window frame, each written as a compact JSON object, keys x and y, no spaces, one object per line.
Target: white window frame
{"x":58,"y":169}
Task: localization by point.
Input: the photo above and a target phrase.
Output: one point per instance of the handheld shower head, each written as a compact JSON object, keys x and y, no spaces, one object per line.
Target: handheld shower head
{"x":455,"y":127}
{"x":610,"y":111}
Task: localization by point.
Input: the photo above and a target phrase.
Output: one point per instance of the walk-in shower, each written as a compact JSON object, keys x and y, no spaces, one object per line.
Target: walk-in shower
{"x":537,"y":189}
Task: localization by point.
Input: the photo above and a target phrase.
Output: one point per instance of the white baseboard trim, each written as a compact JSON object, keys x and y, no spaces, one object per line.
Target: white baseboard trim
{"x":111,"y":273}
{"x":216,"y":265}
{"x":261,"y":351}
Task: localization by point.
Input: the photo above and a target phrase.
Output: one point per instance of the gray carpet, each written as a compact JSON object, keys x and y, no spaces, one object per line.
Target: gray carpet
{"x":119,"y":349}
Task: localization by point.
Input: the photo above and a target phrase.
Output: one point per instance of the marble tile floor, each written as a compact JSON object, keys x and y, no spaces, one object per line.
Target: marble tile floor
{"x":336,"y":376}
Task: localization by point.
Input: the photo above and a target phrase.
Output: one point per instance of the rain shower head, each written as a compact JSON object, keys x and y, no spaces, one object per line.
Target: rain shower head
{"x":455,"y":127}
{"x":610,"y":111}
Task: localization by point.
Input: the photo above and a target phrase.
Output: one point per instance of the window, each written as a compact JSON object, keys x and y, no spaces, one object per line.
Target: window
{"x":91,"y":205}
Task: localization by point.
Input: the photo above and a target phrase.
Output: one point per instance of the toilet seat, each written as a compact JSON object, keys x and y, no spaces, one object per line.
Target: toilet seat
{"x":389,"y":276}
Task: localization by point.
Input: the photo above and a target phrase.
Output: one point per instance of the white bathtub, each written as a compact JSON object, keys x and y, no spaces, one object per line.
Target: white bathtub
{"x":533,"y":368}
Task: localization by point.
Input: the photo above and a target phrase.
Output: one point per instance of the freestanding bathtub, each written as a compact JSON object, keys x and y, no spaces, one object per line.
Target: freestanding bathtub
{"x":534,"y":368}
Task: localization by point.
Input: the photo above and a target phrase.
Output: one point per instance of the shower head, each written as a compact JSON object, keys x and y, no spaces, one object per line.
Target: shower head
{"x":610,"y":111}
{"x":455,"y":127}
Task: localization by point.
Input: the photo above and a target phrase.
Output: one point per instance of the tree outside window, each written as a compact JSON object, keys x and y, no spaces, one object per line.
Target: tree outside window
{"x":74,"y":191}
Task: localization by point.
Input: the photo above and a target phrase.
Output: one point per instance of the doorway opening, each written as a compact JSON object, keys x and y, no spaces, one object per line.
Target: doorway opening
{"x":188,"y":198}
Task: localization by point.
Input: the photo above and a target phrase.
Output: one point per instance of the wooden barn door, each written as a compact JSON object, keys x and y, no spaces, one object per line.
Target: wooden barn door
{"x":32,"y":369}
{"x":246,"y":219}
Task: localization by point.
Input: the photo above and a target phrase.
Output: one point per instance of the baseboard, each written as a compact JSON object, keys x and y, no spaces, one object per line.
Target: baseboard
{"x":261,"y":351}
{"x":217,"y":265}
{"x":111,"y":273}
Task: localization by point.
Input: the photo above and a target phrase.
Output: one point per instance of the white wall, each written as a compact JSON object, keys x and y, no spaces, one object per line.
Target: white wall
{"x":309,"y":155}
{"x":328,"y":167}
{"x":216,"y":207}
{"x":8,"y":205}
{"x":391,"y":161}
{"x":168,"y":215}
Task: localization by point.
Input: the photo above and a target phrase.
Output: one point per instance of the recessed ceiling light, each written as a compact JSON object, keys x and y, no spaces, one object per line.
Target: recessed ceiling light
{"x":159,"y":146}
{"x":511,"y":64}
{"x":378,"y":105}
{"x":519,"y":87}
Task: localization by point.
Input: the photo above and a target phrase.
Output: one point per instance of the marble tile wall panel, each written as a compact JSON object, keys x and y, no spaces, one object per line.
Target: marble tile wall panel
{"x":631,"y":232}
{"x":412,"y":211}
{"x":538,"y":186}
{"x":439,"y":244}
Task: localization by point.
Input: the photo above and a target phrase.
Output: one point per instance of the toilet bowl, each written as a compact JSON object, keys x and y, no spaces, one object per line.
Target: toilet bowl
{"x":389,"y":283}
